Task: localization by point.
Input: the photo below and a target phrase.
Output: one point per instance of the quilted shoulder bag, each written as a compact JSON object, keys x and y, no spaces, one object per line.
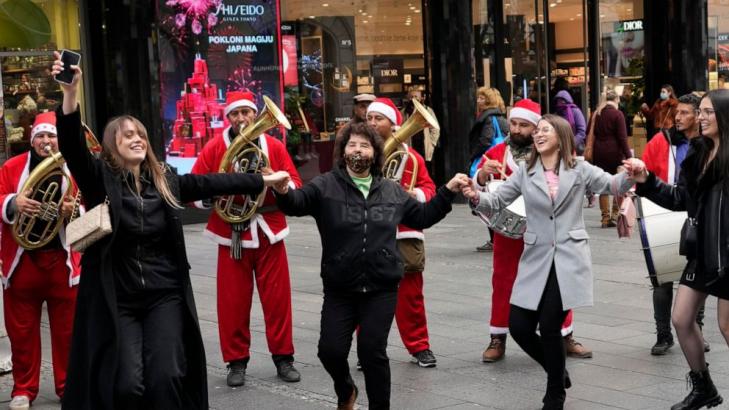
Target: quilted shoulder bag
{"x":95,"y":224}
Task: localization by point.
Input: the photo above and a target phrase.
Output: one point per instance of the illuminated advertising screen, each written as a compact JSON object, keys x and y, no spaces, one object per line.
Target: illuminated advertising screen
{"x":206,"y":49}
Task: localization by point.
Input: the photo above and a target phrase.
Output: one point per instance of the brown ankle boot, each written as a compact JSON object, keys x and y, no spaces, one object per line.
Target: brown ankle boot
{"x":496,"y":349}
{"x":575,"y":348}
{"x":605,"y":210}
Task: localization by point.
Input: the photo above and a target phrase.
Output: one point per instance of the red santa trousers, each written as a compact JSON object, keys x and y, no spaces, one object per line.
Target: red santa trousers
{"x":41,"y":276}
{"x":410,"y":313}
{"x":507,"y":252}
{"x":268,"y":266}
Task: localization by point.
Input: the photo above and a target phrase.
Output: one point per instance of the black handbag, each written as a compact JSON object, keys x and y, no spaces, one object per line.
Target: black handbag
{"x":689,"y":235}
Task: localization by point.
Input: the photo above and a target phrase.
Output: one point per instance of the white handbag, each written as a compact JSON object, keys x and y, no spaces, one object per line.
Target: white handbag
{"x":95,"y":224}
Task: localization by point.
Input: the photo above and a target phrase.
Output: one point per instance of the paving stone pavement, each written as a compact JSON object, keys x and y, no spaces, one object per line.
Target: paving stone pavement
{"x":619,"y":328}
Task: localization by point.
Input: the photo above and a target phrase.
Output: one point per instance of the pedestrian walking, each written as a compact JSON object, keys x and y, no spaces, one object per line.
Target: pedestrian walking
{"x":608,"y":148}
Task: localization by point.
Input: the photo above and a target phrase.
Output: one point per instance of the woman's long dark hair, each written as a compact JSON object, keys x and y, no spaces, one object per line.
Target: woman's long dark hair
{"x":363,"y":130}
{"x":720,"y":100}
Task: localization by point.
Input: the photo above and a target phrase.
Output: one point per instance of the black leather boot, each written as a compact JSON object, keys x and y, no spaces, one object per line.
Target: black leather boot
{"x":703,"y":392}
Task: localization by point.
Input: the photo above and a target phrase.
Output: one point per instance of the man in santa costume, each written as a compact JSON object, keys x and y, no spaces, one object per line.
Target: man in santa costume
{"x":48,"y":274}
{"x":384,"y":117}
{"x":663,"y":155}
{"x":251,"y":252}
{"x":499,"y":162}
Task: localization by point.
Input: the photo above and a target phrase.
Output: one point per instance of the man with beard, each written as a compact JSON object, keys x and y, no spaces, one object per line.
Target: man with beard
{"x":500,"y":161}
{"x":663,"y":156}
{"x":384,"y":117}
{"x":251,"y":252}
{"x":31,"y":277}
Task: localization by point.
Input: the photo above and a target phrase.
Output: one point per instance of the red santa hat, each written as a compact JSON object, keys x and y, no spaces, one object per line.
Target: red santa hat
{"x":386,"y":107}
{"x":237,"y":99}
{"x":44,"y":122}
{"x":526,"y":109}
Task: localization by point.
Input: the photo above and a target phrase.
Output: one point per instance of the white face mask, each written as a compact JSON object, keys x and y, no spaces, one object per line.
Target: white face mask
{"x":664,"y":95}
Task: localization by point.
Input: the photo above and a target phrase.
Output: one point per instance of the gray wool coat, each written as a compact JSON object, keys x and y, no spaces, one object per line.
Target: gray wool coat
{"x":555,"y":229}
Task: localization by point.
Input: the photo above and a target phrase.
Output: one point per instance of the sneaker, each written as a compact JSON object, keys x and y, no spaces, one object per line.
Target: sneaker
{"x":19,"y":403}
{"x":663,"y":343}
{"x":287,"y":372}
{"x":236,"y":373}
{"x":576,"y":349}
{"x":424,"y":358}
{"x":487,"y":247}
{"x":496,"y":349}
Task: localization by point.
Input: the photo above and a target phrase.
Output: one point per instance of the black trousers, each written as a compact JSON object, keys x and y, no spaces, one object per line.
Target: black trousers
{"x":662,"y":304}
{"x":373,"y":312}
{"x":547,"y":347}
{"x":152,"y":360}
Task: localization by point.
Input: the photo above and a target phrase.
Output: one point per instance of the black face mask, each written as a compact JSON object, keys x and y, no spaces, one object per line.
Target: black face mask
{"x":358,"y":163}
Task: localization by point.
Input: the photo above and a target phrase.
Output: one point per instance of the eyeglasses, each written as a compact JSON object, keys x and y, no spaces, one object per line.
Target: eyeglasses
{"x":707,"y":112}
{"x":543,"y":130}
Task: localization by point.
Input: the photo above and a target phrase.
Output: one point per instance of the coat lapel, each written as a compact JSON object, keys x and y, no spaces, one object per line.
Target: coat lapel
{"x":537,"y":177}
{"x":567,"y":177}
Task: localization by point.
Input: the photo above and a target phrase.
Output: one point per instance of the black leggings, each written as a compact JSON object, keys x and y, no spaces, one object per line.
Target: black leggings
{"x":373,"y":312}
{"x":547,"y":347}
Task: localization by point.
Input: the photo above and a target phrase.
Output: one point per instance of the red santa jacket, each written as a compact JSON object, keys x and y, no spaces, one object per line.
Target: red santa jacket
{"x":497,"y":153}
{"x":658,"y":158}
{"x":273,"y":224}
{"x":424,"y":189}
{"x":13,"y":175}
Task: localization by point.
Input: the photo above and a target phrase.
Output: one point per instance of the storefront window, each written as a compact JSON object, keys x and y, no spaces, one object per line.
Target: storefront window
{"x":338,"y":49}
{"x":29,"y":32}
{"x":718,"y":50}
{"x":310,"y":58}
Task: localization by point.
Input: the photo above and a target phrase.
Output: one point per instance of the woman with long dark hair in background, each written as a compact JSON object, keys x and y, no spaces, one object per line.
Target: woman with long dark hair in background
{"x":702,"y":183}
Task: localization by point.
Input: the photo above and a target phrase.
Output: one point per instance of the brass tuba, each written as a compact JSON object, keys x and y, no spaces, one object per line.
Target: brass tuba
{"x":394,"y":151}
{"x":244,"y":156}
{"x":33,"y":232}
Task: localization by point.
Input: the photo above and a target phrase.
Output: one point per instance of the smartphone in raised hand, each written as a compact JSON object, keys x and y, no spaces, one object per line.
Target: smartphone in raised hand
{"x":68,"y":58}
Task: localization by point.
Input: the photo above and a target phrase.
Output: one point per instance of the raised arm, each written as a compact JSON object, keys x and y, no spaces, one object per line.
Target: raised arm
{"x":86,"y":169}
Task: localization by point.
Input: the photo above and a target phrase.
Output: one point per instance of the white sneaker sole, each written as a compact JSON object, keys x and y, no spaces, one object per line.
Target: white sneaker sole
{"x":421,"y":364}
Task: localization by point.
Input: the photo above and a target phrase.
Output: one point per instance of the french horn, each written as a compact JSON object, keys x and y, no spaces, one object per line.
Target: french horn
{"x":45,"y":184}
{"x":394,"y":150}
{"x":244,"y":156}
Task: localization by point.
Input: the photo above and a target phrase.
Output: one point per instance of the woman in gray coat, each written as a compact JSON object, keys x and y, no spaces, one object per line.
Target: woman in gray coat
{"x":555,"y":272}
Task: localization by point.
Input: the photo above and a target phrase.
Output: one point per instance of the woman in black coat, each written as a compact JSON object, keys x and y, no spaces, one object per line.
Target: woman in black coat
{"x":357,"y":212}
{"x":702,"y":183}
{"x":136,"y":340}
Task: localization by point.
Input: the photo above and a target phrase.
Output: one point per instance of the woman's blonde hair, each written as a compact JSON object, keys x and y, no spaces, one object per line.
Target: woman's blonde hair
{"x":493,"y":98}
{"x":566,"y":139}
{"x":111,"y":155}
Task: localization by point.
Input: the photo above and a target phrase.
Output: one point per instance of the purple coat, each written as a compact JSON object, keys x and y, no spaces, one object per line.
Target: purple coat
{"x":565,"y":107}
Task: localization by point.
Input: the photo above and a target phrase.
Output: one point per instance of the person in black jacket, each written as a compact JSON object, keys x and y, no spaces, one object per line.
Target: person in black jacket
{"x":357,"y":212}
{"x":702,"y":183}
{"x":136,"y":341}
